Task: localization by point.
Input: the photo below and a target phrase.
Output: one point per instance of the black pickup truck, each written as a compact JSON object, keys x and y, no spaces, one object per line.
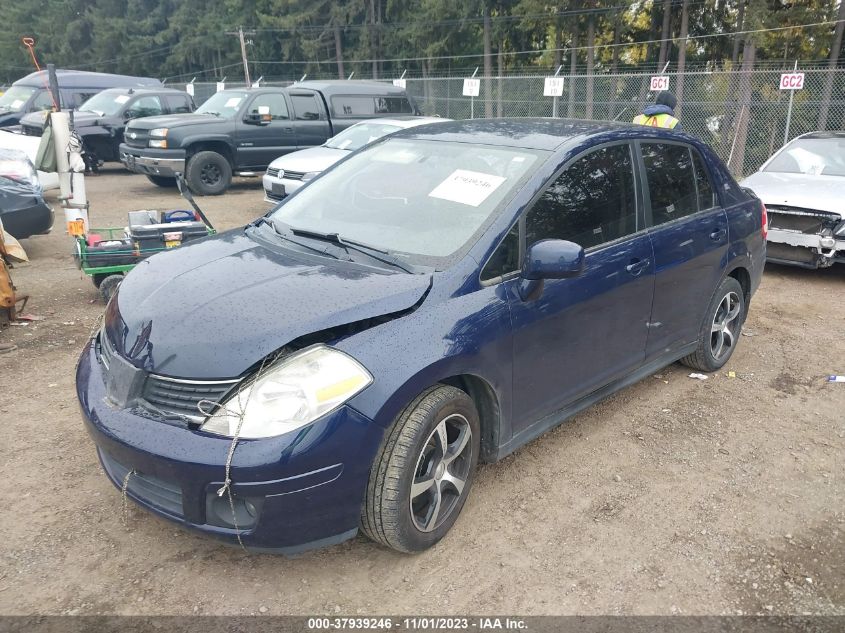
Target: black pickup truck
{"x":102,"y":119}
{"x":242,"y":131}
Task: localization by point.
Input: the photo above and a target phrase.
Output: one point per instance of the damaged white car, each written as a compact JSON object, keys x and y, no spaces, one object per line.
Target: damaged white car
{"x":803,"y":188}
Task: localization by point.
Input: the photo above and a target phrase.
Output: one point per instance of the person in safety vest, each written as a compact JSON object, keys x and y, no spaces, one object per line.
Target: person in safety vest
{"x":661,"y":114}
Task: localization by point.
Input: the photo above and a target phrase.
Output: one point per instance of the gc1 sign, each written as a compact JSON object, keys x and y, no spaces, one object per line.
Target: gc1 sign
{"x":553,"y":87}
{"x":659,"y":83}
{"x":472,"y":87}
{"x":792,"y":81}
{"x":400,"y":83}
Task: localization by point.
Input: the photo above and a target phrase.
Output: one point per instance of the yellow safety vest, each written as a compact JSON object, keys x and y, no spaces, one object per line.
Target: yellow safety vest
{"x":656,"y":120}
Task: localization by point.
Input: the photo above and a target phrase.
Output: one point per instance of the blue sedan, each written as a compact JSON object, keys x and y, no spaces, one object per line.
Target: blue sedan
{"x":437,"y":299}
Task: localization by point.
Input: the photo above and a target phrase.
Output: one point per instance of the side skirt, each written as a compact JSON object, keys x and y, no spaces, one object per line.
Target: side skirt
{"x":560,"y":416}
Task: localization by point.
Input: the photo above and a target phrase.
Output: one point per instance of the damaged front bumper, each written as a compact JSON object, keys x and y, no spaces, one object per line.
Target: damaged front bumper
{"x":290,"y":493}
{"x":806,"y":238}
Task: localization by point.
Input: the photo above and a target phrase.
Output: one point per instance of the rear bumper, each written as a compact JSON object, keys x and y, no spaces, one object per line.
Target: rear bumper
{"x":153,"y":162}
{"x":26,"y":216}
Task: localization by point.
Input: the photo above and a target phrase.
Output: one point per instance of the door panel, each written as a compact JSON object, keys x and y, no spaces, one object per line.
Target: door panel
{"x":259,"y":145}
{"x":689,"y":236}
{"x":312,"y":127}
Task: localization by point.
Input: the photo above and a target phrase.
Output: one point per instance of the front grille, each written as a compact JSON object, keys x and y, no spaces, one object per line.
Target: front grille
{"x":272,"y":171}
{"x":293,"y":175}
{"x":183,"y":396}
{"x":802,"y":220}
{"x":141,"y":139}
{"x":30,"y":130}
{"x":162,"y":494}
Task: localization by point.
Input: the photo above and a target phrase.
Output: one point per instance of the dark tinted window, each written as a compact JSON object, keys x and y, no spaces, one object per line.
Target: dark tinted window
{"x":272,"y":104}
{"x":706,"y":197}
{"x":592,"y":202}
{"x":305,"y":107}
{"x":505,"y":258}
{"x":671,"y":182}
{"x":178,"y":103}
{"x":353,"y":106}
{"x":392,"y":105}
{"x":144,"y":106}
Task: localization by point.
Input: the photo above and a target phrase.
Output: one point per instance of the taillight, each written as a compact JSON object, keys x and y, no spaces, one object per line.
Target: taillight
{"x":765,"y":227}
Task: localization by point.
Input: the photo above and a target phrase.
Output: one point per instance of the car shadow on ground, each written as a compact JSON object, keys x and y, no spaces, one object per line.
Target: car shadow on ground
{"x":833,"y":273}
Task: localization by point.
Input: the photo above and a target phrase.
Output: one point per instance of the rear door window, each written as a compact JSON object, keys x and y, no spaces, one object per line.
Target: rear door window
{"x":149,"y":105}
{"x":305,"y":107}
{"x":706,"y":194}
{"x":592,"y":202}
{"x":671,"y":181}
{"x":177,"y":103}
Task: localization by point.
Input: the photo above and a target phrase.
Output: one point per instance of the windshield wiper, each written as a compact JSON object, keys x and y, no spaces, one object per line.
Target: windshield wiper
{"x":371,"y":251}
{"x":282,"y":234}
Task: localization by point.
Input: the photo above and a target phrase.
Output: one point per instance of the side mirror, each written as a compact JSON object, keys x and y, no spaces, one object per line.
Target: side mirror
{"x":255,"y":118}
{"x":548,"y":259}
{"x":553,"y":259}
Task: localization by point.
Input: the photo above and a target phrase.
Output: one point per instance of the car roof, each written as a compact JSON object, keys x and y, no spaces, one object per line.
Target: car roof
{"x":403,"y":121}
{"x":529,"y":133}
{"x":85,"y":79}
{"x":143,"y":91}
{"x":350,"y":87}
{"x":831,"y":134}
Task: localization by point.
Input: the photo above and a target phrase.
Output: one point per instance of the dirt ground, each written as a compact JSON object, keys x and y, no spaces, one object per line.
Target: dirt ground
{"x":722,"y":496}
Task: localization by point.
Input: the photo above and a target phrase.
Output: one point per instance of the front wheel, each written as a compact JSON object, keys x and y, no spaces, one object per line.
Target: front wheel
{"x":208,"y":173}
{"x":721,"y":328}
{"x":423,"y":472}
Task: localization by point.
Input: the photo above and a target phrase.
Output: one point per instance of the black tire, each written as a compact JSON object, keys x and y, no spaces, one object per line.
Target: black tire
{"x":208,"y":173}
{"x":412,"y":452}
{"x":162,"y":181}
{"x":715,"y":346}
{"x":108,"y":286}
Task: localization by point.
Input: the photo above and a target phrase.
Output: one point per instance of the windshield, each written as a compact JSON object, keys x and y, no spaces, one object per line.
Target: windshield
{"x":225,"y":104}
{"x":105,"y":103}
{"x":813,"y":156}
{"x":359,"y":135}
{"x":15,"y":97}
{"x":427,"y":201}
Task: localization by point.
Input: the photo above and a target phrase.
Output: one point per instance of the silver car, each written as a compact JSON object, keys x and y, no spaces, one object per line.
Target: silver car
{"x":288,"y":173}
{"x":803,"y":188}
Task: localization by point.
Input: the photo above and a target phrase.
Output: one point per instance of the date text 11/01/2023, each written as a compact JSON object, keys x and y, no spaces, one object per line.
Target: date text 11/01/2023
{"x":417,"y":623}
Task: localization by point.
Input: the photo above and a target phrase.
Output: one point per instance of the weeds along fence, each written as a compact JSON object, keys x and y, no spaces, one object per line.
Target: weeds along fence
{"x":743,"y":115}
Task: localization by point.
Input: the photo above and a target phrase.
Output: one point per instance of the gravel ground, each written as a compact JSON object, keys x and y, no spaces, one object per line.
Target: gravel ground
{"x":682,"y":496}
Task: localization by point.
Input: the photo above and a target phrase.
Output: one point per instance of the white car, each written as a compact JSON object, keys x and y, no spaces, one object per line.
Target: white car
{"x":288,"y":173}
{"x":803,"y":188}
{"x":29,"y":146}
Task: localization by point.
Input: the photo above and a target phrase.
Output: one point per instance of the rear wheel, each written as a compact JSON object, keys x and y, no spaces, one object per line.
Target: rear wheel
{"x":162,"y":181}
{"x":721,"y":328}
{"x":423,"y":473}
{"x":208,"y":173}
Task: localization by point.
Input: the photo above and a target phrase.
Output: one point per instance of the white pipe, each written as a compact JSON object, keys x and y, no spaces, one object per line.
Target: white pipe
{"x":61,"y":135}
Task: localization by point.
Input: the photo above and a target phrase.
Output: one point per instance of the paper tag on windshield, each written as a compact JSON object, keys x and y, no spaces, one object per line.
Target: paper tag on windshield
{"x":232,"y":102}
{"x":345,"y":144}
{"x":17,"y":103}
{"x":121,"y":99}
{"x":467,"y":187}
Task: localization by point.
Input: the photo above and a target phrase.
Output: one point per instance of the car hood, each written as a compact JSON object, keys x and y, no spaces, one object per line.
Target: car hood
{"x":173,"y":120}
{"x":311,"y":159}
{"x":820,"y":193}
{"x":216,"y":307}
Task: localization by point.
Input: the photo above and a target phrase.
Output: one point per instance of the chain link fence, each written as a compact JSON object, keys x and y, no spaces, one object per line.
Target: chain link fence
{"x":743,"y":115}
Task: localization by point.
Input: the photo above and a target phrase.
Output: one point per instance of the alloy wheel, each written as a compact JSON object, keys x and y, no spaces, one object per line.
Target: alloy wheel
{"x":725,"y":327}
{"x":441,"y":472}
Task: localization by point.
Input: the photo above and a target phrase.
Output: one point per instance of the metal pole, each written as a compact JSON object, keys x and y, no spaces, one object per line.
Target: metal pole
{"x":243,"y":54}
{"x":789,"y":110}
{"x":472,"y":99}
{"x":554,"y":99}
{"x":54,"y":86}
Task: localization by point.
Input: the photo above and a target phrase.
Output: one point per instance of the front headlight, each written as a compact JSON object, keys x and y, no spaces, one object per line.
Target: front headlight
{"x":309,"y":175}
{"x":159,"y":132}
{"x":159,"y":143}
{"x":290,"y":394}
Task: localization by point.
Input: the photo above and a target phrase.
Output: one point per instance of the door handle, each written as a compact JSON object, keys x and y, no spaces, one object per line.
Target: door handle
{"x":288,"y":129}
{"x":718,"y":234}
{"x":637,"y":266}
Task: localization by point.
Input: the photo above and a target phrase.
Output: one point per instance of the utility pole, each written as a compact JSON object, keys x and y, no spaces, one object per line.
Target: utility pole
{"x":240,"y":33}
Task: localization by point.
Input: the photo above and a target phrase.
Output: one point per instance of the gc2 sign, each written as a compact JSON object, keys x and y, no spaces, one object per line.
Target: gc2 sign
{"x":472,"y":87}
{"x":792,"y":81}
{"x":659,"y":83}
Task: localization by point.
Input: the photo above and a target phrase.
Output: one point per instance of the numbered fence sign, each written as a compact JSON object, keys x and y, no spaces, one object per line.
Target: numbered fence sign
{"x":553,"y":87}
{"x":221,"y":86}
{"x":792,"y":81}
{"x":472,"y":87}
{"x":659,"y":83}
{"x":400,"y":83}
{"x":189,"y":88}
